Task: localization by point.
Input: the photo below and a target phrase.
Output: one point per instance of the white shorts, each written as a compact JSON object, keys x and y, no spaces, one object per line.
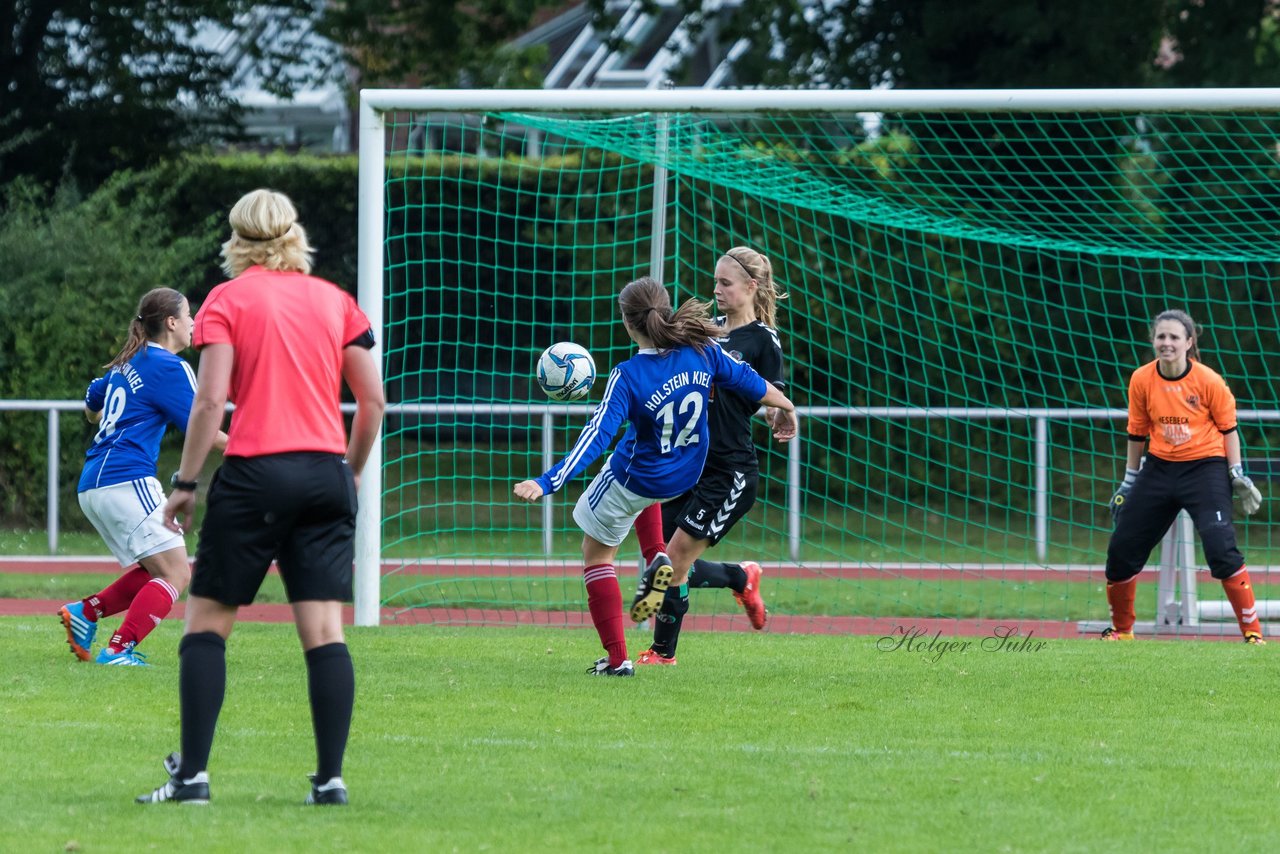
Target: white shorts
{"x":607,"y":509}
{"x":130,"y":518}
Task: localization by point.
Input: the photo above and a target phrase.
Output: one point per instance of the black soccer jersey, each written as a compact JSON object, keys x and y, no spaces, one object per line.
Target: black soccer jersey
{"x":729,"y":415}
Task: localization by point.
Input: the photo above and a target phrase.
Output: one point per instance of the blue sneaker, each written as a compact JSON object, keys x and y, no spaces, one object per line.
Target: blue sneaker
{"x":126,"y":657}
{"x":80,"y":631}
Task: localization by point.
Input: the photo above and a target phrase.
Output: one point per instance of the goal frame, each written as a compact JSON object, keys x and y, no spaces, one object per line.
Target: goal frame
{"x":372,"y":168}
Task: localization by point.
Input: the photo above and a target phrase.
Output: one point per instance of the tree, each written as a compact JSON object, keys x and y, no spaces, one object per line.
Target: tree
{"x":446,"y":43}
{"x":992,"y":43}
{"x":94,"y":86}
{"x":1224,"y":43}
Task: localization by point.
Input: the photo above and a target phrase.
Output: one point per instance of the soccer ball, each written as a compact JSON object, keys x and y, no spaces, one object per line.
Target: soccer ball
{"x":566,"y":371}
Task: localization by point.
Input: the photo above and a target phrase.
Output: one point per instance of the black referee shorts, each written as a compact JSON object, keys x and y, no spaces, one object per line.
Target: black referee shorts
{"x":298,"y":509}
{"x":713,"y":506}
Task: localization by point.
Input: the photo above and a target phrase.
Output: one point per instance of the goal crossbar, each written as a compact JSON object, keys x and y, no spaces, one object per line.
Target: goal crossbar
{"x":376,"y":103}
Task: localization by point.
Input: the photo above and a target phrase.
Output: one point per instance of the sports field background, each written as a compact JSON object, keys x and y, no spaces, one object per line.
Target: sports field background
{"x":494,"y":739}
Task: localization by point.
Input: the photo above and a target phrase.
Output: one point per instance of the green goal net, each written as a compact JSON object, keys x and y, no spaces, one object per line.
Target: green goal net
{"x":967,"y":295}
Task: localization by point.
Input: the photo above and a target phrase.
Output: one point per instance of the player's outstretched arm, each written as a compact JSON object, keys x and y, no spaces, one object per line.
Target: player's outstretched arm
{"x":528,"y":490}
{"x":785,"y":423}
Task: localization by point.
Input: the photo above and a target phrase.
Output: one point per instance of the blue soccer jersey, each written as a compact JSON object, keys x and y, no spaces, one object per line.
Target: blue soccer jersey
{"x":138,"y":401}
{"x":664,"y":397}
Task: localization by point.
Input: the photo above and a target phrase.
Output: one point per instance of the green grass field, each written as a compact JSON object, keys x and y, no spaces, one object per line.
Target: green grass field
{"x":494,"y":739}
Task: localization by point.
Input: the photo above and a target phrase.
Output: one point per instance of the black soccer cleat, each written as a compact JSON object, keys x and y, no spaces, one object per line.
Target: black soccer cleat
{"x":333,"y":793}
{"x":602,"y":668}
{"x":652,"y":588}
{"x":192,"y":791}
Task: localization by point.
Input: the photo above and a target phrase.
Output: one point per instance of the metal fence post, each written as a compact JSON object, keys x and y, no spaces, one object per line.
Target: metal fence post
{"x":1042,"y":489}
{"x":793,"y":498}
{"x":51,"y":502}
{"x":548,"y":460}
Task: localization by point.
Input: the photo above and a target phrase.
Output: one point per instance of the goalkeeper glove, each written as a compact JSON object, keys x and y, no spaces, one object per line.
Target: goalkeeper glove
{"x":1126,"y":486}
{"x":1243,"y":488}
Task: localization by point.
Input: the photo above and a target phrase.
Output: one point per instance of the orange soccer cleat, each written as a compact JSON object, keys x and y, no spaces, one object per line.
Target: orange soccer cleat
{"x":750,"y":599}
{"x":651,"y":657}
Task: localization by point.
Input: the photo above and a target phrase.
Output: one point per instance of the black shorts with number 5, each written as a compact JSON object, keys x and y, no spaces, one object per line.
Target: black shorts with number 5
{"x":713,"y":506}
{"x":298,"y":509}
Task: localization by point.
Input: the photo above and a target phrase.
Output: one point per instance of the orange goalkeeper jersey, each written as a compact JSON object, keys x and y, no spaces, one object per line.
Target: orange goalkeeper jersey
{"x":1185,"y":418}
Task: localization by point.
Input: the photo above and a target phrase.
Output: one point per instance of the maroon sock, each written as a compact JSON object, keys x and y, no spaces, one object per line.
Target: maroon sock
{"x":117,"y":596}
{"x":150,"y":606}
{"x":649,"y":531}
{"x":604,"y":599}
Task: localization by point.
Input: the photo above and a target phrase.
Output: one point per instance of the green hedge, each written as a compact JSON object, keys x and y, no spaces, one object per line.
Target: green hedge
{"x":74,"y":268}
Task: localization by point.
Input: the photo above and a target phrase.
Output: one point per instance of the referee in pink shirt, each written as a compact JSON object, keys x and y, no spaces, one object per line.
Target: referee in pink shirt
{"x":278,"y":343}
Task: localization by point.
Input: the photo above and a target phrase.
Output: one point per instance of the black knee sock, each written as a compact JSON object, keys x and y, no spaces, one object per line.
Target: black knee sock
{"x":666,"y":626}
{"x":202,"y":684}
{"x":331,"y":685}
{"x":707,"y":574}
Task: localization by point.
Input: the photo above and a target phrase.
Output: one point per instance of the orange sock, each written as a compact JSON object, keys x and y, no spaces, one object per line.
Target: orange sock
{"x":1240,"y":591}
{"x":1120,"y":597}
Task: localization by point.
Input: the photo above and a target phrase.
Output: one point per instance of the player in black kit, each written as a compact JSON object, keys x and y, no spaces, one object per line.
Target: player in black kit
{"x":746,"y":294}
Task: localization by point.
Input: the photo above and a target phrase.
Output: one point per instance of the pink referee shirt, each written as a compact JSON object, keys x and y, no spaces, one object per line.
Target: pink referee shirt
{"x":288,"y":331}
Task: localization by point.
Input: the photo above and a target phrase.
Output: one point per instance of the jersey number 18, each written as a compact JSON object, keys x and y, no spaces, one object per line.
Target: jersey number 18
{"x":112,"y":412}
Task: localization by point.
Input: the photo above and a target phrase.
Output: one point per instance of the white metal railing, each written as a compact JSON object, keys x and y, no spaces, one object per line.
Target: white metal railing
{"x":548,"y":412}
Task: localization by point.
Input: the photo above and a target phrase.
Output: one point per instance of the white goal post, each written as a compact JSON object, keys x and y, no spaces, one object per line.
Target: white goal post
{"x":374,"y":103}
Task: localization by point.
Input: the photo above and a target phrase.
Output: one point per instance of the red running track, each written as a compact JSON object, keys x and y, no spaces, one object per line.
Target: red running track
{"x":896,"y":627}
{"x":544,"y":568}
{"x":890,"y":628}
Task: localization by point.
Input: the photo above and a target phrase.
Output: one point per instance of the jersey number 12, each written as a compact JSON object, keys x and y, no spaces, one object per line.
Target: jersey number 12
{"x":667,"y":417}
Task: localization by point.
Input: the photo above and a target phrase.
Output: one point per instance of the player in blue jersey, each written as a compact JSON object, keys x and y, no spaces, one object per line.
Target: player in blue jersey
{"x":662,"y":392}
{"x":746,"y":292}
{"x":146,"y":388}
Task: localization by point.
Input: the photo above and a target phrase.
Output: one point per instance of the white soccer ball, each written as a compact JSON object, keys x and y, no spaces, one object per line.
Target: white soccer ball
{"x":566,"y":371}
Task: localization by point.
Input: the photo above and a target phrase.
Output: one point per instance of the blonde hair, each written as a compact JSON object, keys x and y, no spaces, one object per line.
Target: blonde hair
{"x":155,"y":307}
{"x":265,"y":231}
{"x":757,"y":266}
{"x":646,"y":307}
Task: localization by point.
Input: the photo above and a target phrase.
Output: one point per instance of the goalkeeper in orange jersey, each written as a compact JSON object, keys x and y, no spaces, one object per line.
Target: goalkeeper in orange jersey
{"x":1184,"y":414}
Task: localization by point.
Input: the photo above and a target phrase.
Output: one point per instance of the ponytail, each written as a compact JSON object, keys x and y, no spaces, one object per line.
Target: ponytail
{"x":155,"y":307}
{"x":646,"y":307}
